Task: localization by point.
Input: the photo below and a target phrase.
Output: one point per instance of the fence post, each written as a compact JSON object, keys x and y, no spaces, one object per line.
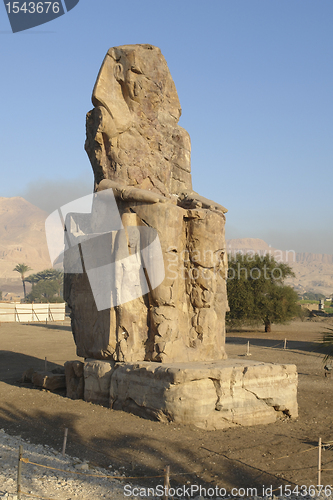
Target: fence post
{"x":65,"y":442}
{"x":166,"y":483}
{"x":19,"y":471}
{"x":285,"y":344}
{"x":319,"y":462}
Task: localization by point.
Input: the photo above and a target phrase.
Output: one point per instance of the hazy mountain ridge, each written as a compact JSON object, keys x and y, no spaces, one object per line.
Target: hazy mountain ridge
{"x":22,"y":240}
{"x":313,"y":272}
{"x":314,"y":257}
{"x":258,"y":245}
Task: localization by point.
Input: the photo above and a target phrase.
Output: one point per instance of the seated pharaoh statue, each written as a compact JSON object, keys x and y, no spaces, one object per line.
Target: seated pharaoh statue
{"x":167,"y":235}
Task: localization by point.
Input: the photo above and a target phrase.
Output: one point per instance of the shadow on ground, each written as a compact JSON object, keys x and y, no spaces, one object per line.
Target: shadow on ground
{"x":141,"y":453}
{"x":297,"y":345}
{"x":14,"y":364}
{"x":50,"y":326}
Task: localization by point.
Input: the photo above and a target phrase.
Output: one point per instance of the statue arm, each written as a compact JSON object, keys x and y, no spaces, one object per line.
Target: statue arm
{"x":130,"y":193}
{"x":191,"y":199}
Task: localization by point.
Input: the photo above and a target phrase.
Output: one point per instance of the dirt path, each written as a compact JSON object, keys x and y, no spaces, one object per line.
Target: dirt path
{"x":239,"y":457}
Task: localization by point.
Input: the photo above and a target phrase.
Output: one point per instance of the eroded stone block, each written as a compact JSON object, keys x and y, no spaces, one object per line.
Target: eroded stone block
{"x":97,"y":379}
{"x":74,"y":379}
{"x":49,"y":380}
{"x":212,"y":395}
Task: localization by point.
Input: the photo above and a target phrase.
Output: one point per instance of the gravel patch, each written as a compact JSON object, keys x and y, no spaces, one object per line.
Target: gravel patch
{"x":73,"y":483}
{"x":68,"y":478}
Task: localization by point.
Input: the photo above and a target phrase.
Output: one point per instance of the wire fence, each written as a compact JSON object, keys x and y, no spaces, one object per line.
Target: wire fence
{"x":166,"y":475}
{"x":26,"y":313}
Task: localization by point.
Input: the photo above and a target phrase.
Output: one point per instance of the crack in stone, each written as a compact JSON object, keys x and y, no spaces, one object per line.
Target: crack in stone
{"x":219,"y":393}
{"x":270,"y":402}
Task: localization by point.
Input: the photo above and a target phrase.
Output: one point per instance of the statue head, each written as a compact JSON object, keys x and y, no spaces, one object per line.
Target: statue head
{"x":133,"y":136}
{"x":136,"y":76}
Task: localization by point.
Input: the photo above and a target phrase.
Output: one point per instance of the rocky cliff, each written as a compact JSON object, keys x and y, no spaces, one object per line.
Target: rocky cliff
{"x":22,"y":240}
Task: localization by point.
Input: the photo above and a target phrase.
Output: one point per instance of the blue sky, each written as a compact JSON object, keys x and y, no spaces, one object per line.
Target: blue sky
{"x":255,"y":82}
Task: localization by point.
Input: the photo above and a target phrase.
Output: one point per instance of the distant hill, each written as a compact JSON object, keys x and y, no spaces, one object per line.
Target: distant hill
{"x":314,"y":272}
{"x":257,"y":245}
{"x":22,"y":240}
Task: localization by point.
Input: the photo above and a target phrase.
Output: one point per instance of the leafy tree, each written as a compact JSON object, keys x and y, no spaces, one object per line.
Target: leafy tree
{"x":48,"y":275}
{"x":22,"y":269}
{"x":256,"y":292}
{"x":47,"y":286}
{"x":303,"y":313}
{"x":44,"y":291}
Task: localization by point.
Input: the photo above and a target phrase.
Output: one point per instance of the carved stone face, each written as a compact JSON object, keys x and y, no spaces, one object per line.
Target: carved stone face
{"x":133,"y":134}
{"x":138,"y":76}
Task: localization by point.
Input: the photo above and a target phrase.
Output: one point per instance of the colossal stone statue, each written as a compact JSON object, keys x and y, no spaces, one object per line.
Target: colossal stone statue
{"x":145,"y":267}
{"x":141,"y":157}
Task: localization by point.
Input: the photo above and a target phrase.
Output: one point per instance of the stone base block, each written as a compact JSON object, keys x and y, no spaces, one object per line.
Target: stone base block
{"x":74,"y":379}
{"x":209,"y":395}
{"x":51,"y":381}
{"x":97,"y":378}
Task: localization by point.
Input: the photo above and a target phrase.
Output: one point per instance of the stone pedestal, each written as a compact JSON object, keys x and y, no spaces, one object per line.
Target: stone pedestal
{"x":209,"y":395}
{"x":74,"y":379}
{"x":97,"y":381}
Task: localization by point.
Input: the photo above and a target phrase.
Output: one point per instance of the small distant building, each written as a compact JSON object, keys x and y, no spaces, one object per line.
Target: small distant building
{"x":321,"y":305}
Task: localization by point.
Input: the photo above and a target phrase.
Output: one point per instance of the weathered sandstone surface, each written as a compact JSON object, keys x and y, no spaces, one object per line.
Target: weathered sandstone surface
{"x":74,"y":379}
{"x":51,"y":381}
{"x":97,"y":381}
{"x":146,"y":267}
{"x":209,"y":395}
{"x":161,"y":228}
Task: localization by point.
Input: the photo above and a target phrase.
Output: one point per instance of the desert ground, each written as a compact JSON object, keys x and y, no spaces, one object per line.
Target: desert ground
{"x":277,"y":454}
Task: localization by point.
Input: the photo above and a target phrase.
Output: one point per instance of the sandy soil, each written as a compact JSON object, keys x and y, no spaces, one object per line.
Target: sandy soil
{"x":275,"y":454}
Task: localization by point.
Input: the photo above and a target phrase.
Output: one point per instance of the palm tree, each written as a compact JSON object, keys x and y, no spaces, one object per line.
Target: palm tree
{"x":55,"y":275}
{"x":22,"y":269}
{"x":46,"y":283}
